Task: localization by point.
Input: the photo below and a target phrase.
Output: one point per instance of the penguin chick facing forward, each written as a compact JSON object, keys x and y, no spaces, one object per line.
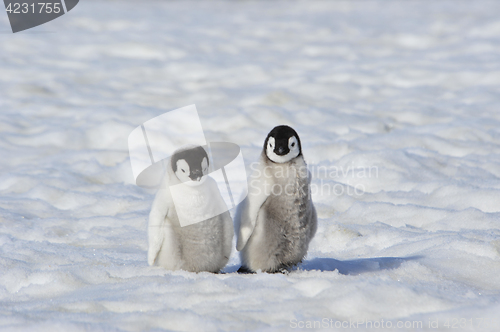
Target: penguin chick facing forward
{"x":277,"y":219}
{"x":190,"y":227}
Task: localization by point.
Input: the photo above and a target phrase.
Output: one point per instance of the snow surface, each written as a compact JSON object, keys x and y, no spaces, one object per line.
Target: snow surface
{"x":408,"y":89}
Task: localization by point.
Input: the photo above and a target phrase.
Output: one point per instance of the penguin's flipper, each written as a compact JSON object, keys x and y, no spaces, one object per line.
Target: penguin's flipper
{"x":159,"y":211}
{"x":169,"y":256}
{"x":228,"y":229}
{"x":248,"y":210}
{"x":248,"y":218}
{"x":155,"y":243}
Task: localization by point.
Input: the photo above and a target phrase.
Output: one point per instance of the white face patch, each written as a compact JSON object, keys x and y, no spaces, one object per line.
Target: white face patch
{"x":183,"y":170}
{"x":293,"y":145}
{"x":204,"y":166}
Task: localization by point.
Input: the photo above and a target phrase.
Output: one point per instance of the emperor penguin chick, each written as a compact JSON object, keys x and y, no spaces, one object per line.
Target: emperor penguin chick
{"x":277,"y":219}
{"x":190,"y":227}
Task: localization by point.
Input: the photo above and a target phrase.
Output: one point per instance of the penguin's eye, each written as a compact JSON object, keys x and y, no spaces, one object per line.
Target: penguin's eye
{"x":183,"y":171}
{"x":293,"y":144}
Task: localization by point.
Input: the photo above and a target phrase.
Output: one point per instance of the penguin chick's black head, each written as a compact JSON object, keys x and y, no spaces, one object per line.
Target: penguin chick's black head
{"x":282,"y":144}
{"x":192,"y":163}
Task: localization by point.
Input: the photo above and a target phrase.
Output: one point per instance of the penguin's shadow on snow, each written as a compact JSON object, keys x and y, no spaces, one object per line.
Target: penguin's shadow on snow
{"x":355,"y":266}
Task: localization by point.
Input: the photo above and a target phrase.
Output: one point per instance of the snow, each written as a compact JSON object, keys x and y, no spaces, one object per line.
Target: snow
{"x":407,"y":89}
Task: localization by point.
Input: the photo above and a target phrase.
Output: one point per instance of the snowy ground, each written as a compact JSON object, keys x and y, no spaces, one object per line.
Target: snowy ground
{"x":408,"y":89}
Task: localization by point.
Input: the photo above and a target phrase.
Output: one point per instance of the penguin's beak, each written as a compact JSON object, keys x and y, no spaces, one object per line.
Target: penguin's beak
{"x":196,"y":175}
{"x":281,"y":151}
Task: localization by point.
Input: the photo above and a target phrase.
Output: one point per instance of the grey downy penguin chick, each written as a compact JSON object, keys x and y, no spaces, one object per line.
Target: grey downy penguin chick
{"x":277,"y":219}
{"x":180,"y":235}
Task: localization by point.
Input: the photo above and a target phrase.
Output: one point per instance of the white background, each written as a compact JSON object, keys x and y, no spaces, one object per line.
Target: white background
{"x":411,"y":87}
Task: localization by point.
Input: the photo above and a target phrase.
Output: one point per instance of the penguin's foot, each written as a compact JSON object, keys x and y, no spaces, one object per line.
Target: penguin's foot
{"x":283,"y":270}
{"x":245,"y":270}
